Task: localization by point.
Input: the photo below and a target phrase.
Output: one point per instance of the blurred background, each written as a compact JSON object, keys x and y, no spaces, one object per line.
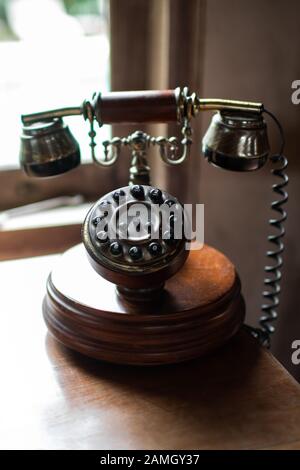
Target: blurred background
{"x":52,"y":52}
{"x":56,"y":53}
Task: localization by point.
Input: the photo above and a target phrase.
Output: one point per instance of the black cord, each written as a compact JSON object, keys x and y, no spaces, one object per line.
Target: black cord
{"x":279,"y":128}
{"x":273,"y":271}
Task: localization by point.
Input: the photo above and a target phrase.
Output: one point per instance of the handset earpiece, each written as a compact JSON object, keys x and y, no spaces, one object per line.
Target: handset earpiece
{"x":236,"y":141}
{"x":48,"y":148}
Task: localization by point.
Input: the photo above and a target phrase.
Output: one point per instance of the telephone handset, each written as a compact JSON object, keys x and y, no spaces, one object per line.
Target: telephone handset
{"x":141,"y":322}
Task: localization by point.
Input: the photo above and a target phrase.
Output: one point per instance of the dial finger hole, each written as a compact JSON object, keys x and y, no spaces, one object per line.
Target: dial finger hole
{"x":102,"y":236}
{"x":116,"y":248}
{"x":155,"y":249}
{"x":135,"y":253}
{"x":137,"y":191}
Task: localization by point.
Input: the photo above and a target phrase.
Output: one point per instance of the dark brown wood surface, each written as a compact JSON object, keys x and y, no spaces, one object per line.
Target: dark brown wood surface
{"x":200,"y":308}
{"x":51,"y":398}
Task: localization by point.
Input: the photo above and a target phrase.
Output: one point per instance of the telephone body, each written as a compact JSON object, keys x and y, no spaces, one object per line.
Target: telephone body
{"x":132,"y":293}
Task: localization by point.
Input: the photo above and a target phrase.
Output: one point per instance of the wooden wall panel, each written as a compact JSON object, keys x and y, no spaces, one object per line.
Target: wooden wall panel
{"x":252,"y":52}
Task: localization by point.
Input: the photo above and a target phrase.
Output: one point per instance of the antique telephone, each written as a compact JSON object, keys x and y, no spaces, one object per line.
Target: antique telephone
{"x":170,"y":304}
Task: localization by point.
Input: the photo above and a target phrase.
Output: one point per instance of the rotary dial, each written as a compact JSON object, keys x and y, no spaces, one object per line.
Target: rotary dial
{"x":134,"y":227}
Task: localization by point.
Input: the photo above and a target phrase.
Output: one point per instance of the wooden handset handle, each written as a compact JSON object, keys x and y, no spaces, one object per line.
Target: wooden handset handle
{"x":136,"y":106}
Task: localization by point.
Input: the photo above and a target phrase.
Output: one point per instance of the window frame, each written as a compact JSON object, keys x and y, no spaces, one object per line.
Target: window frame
{"x":89,"y":180}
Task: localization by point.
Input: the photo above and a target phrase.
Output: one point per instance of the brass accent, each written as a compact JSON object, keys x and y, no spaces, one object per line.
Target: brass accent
{"x":51,"y":114}
{"x":189,"y":105}
{"x":169,"y":147}
{"x":185,"y":104}
{"x":139,"y":142}
{"x":89,"y":113}
{"x":211,"y":104}
{"x":139,"y":172}
{"x":180,"y":102}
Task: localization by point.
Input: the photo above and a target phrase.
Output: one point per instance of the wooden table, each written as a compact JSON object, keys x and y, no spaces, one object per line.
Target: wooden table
{"x":51,"y":398}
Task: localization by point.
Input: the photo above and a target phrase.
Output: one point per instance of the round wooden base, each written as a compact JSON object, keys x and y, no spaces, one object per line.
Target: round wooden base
{"x":200,"y":309}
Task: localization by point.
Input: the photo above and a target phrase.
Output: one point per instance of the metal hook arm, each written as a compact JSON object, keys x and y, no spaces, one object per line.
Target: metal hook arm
{"x":169,"y":148}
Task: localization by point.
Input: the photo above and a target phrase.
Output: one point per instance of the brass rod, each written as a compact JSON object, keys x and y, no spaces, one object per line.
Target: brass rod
{"x":44,"y":115}
{"x":212,"y":104}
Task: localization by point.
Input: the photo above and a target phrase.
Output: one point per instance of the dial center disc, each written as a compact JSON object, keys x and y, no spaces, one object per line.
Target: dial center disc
{"x":136,"y":221}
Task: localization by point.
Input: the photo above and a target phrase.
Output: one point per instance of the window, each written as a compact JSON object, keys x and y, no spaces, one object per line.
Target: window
{"x":53,"y":53}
